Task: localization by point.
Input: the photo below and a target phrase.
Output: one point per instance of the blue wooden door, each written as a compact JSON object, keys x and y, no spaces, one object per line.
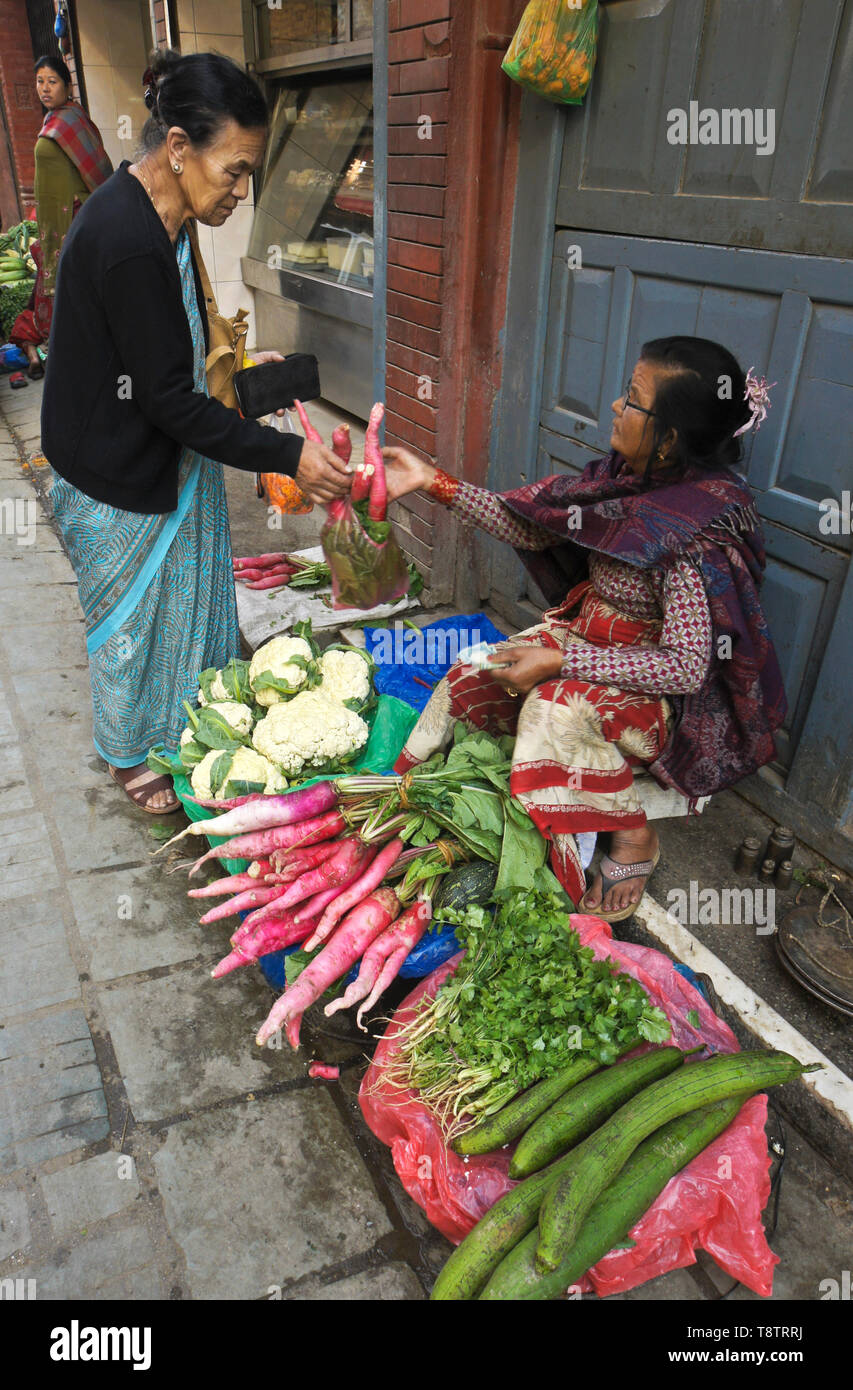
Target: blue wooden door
{"x":636,"y":238}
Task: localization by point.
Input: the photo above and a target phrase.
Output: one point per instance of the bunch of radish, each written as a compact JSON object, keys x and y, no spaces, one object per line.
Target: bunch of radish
{"x":271,"y":571}
{"x":314,"y":882}
{"x":369,"y":483}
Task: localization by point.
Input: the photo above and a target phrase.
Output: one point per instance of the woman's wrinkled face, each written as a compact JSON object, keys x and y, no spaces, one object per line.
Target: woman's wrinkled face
{"x":215,"y":179}
{"x":52,"y":91}
{"x":633,"y":429}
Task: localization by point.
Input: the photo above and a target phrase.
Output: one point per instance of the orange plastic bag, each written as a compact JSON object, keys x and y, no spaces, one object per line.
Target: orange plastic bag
{"x":553,"y":50}
{"x":281,"y":491}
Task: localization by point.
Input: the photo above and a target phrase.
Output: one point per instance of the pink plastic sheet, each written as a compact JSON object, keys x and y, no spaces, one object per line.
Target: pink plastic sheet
{"x":715,"y":1202}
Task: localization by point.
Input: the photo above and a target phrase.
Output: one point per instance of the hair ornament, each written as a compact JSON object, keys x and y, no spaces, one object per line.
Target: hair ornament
{"x":757,"y":395}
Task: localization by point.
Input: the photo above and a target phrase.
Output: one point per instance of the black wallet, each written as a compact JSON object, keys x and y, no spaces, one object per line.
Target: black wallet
{"x":276,"y":385}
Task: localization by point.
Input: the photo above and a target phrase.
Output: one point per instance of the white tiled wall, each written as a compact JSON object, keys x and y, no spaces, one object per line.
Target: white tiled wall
{"x":217,"y":25}
{"x":113,"y":53}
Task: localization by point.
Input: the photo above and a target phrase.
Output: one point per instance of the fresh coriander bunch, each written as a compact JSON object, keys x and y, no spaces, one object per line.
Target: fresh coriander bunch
{"x":524,"y":999}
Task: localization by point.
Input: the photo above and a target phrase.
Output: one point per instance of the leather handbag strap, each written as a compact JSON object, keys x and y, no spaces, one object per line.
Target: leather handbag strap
{"x":206,"y":287}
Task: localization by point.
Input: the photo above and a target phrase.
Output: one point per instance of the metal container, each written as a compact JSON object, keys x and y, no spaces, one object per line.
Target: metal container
{"x":746,"y":860}
{"x":780,"y":845}
{"x":767,"y":870}
{"x":784,"y":874}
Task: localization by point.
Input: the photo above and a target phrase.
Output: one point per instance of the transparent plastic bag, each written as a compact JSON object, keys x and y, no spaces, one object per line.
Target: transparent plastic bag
{"x":715,"y":1202}
{"x":553,"y":50}
{"x":365,"y":572}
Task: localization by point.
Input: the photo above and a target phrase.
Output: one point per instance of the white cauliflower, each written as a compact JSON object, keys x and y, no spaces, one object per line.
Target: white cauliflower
{"x":346,"y":676}
{"x":276,"y":656}
{"x":309,"y":730}
{"x":238,"y":716}
{"x":246,"y":766}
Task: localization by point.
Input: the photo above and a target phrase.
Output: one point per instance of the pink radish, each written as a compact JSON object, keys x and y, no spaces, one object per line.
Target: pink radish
{"x":287,"y":809}
{"x":311,"y":910}
{"x":322,"y":1071}
{"x":338,"y":872}
{"x":247,"y":574}
{"x":394,"y":944}
{"x":278,"y":581}
{"x":387,"y":974}
{"x":342,"y":443}
{"x":232,"y":883}
{"x":342,"y":446}
{"x":357,"y":930}
{"x":300,"y":861}
{"x":272,"y":557}
{"x":259,"y":868}
{"x":260,"y":842}
{"x":354,"y":894}
{"x":228,"y":804}
{"x":276,"y":937}
{"x":378,"y":503}
{"x":243,"y":902}
{"x":308,"y":428}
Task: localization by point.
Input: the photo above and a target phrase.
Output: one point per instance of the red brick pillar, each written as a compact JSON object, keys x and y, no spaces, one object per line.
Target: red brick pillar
{"x":20,"y":103}
{"x":452,"y":149}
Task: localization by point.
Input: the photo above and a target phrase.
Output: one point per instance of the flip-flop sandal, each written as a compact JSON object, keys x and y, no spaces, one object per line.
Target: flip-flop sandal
{"x":17,"y":381}
{"x":613,"y":872}
{"x":146,"y":785}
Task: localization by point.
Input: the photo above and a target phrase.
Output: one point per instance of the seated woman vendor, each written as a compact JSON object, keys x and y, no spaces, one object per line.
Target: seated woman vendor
{"x":657,"y":653}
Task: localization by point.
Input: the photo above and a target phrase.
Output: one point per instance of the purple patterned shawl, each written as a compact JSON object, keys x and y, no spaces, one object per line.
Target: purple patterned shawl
{"x":724,"y":731}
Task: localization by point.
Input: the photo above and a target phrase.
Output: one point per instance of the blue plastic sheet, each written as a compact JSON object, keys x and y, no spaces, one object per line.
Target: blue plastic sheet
{"x":401,"y":653}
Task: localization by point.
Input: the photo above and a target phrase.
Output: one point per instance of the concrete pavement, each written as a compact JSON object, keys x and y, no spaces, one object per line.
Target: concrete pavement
{"x":147,"y":1148}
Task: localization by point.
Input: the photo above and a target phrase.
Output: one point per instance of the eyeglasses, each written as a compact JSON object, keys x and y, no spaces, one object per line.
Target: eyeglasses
{"x":629,"y":405}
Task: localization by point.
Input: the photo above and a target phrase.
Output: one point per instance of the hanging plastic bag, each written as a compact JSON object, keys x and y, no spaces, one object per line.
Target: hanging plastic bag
{"x":281,"y":491}
{"x":365,"y":572}
{"x":715,"y":1202}
{"x":553,"y":50}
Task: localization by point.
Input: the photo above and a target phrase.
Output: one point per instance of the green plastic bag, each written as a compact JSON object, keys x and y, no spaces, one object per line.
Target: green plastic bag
{"x":391,"y":721}
{"x":554,"y":48}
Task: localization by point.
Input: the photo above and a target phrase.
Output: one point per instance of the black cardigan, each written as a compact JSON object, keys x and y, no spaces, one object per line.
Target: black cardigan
{"x":119,"y":401}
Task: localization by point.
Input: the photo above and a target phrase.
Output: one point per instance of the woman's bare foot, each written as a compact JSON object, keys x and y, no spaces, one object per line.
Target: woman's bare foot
{"x":151,"y":791}
{"x":627,"y":847}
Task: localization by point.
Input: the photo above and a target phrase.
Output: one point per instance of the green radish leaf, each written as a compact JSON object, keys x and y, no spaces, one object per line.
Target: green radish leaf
{"x":693,"y":1019}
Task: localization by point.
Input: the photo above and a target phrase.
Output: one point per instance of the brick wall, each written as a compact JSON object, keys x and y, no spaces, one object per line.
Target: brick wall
{"x":452,"y":147}
{"x":21,"y":105}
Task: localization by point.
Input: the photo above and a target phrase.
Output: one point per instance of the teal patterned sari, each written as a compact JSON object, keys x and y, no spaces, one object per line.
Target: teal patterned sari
{"x":157,"y":591}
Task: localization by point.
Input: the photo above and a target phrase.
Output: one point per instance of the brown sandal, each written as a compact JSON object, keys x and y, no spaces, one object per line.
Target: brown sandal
{"x":613,"y":872}
{"x":146,"y":785}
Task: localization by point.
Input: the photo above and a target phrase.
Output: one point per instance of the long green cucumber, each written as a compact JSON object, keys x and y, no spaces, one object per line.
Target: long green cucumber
{"x":587,"y":1106}
{"x":593,"y":1165}
{"x":513,"y":1119}
{"x":516,"y":1117}
{"x":503,"y":1225}
{"x":617,"y":1210}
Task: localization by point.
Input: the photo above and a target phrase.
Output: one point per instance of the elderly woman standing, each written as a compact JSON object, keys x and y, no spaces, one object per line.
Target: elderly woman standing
{"x":657,"y":653}
{"x":71,"y":163}
{"x":135,"y":442}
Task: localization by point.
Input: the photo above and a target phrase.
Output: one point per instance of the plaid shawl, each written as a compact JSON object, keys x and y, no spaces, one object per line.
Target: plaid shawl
{"x":724,"y":731}
{"x":80,"y":139}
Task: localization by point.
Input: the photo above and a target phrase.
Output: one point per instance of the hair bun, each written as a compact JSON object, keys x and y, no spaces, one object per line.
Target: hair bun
{"x":163,"y":61}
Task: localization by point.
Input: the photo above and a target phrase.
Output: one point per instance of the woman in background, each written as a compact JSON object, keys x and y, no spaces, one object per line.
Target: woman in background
{"x":71,"y":163}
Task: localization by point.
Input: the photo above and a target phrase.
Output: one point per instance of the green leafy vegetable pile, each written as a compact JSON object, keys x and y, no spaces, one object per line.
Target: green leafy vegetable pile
{"x":525,"y":997}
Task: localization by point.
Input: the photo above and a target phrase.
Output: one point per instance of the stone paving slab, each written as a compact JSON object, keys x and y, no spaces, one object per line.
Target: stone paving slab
{"x":47,"y":567}
{"x":51,"y":1097}
{"x":58,"y":606}
{"x":185,"y":1040}
{"x":90,"y":1191}
{"x":395,"y":1282}
{"x":160,"y":930}
{"x":25,"y":857}
{"x":15,"y":791}
{"x":14,"y":1222}
{"x":119,"y":1262}
{"x":292,"y":1195}
{"x":38,"y":969}
{"x":98,"y":827}
{"x":31,"y":648}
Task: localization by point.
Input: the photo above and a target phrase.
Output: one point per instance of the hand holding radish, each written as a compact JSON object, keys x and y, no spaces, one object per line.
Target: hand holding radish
{"x":405,"y":472}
